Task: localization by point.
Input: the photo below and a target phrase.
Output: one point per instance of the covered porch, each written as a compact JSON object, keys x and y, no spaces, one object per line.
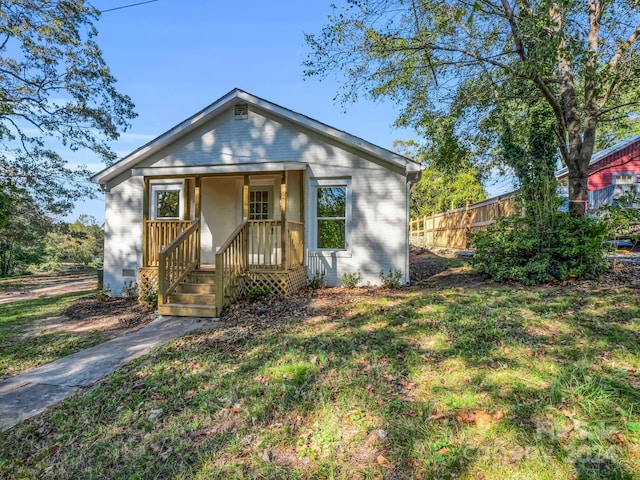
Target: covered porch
{"x":210,"y":238}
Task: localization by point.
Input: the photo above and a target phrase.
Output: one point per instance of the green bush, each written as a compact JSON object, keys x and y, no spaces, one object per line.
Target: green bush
{"x":351,"y":280}
{"x":259,"y":292}
{"x":623,"y":218}
{"x":149,"y":299}
{"x":317,"y":281}
{"x":130,"y":289}
{"x":531,"y":251}
{"x":391,"y":279}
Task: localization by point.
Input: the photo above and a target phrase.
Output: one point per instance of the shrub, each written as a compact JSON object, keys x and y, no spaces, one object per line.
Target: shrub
{"x":351,"y":280}
{"x":104,"y":294}
{"x":130,"y":289}
{"x":391,"y":279}
{"x":531,"y":251}
{"x":259,"y":292}
{"x":623,"y":217}
{"x":317,"y":281}
{"x":149,"y":299}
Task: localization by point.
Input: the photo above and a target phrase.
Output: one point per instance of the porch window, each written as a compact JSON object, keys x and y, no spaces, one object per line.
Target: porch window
{"x":331,"y":215}
{"x":167,"y":201}
{"x":259,"y":205}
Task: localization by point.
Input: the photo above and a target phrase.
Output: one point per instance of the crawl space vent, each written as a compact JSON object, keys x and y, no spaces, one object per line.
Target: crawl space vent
{"x":241,"y":111}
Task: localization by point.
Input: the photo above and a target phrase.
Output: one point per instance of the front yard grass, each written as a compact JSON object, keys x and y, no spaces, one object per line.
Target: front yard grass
{"x":22,"y":348}
{"x":480,"y":382}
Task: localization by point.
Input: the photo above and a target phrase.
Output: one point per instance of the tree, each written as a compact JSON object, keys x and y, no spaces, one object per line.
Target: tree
{"x":437,"y":59}
{"x":54,"y":86}
{"x":23,"y":239}
{"x":79,"y":242}
{"x":440,"y":187}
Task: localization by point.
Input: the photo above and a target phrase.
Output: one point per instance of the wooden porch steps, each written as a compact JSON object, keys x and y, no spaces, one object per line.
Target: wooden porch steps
{"x":194,"y":297}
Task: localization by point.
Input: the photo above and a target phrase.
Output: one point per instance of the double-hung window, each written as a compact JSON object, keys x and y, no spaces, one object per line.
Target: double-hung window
{"x":332,"y":211}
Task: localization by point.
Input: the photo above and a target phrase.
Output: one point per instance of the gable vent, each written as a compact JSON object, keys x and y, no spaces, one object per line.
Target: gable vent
{"x":241,"y":111}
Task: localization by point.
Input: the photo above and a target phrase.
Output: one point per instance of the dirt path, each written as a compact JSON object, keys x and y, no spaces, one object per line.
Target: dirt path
{"x":29,"y":293}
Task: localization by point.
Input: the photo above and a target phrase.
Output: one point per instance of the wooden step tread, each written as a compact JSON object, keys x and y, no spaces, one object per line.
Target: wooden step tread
{"x":188,"y":310}
{"x":192,"y":298}
{"x":189,"y":287}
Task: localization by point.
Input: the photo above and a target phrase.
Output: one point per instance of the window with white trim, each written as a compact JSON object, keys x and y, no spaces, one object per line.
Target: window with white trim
{"x":331,"y":205}
{"x":167,"y":200}
{"x":624,"y":178}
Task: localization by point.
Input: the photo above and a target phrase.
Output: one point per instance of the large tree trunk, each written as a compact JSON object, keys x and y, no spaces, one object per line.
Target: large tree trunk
{"x":578,"y":190}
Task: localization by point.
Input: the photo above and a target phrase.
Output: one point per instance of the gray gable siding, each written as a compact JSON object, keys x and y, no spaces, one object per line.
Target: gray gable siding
{"x":260,"y":138}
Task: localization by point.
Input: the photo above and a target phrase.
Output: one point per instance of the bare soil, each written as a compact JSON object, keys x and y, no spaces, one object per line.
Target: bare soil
{"x":28,"y":287}
{"x":111,"y":317}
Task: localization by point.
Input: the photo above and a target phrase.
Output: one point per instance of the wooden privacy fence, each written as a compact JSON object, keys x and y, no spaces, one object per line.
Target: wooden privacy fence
{"x":450,"y":229}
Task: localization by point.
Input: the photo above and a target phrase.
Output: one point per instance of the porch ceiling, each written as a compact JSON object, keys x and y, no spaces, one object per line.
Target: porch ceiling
{"x":197,"y":170}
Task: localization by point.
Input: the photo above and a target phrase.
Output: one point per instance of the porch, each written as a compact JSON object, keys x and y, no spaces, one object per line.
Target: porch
{"x":196,"y":268}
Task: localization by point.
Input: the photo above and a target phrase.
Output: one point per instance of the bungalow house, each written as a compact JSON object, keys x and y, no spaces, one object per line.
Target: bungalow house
{"x":247,"y":194}
{"x":612,"y":172}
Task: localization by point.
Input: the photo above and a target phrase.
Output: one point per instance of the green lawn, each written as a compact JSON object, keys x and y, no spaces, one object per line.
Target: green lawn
{"x":480,"y":382}
{"x":23,"y":347}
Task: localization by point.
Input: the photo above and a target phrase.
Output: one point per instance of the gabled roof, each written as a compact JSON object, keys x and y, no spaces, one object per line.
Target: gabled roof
{"x":596,"y":157}
{"x":239,"y":96}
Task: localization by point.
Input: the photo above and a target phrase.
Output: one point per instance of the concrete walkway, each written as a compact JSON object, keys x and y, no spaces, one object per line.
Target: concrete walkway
{"x":31,"y":393}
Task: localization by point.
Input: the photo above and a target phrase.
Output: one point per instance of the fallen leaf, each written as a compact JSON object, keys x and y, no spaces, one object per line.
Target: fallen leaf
{"x":266,"y":456}
{"x":618,"y":438}
{"x":383,"y":462}
{"x":482,"y":419}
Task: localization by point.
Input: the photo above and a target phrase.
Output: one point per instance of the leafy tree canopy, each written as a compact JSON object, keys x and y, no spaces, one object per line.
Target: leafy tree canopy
{"x":54,"y":87}
{"x":440,"y":187}
{"x":462,"y":62}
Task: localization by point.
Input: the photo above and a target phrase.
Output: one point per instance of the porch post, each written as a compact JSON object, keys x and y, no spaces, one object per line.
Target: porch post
{"x":283,"y":219}
{"x":186,"y":207}
{"x":245,"y":198}
{"x":145,"y":218}
{"x":197,"y":200}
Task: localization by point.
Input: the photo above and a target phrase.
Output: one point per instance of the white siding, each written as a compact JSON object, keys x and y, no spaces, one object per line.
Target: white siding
{"x":378,"y":226}
{"x":379,"y":194}
{"x":123,"y":234}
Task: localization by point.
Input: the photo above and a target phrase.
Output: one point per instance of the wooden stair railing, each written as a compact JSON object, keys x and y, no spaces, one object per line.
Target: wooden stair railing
{"x":232,"y":263}
{"x":177,"y":260}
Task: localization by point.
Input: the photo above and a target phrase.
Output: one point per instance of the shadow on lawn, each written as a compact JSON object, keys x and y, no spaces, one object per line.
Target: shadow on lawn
{"x":334,"y":397}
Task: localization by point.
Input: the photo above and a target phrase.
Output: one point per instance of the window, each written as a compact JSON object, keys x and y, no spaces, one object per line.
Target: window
{"x":259,"y":205}
{"x":623,"y":178}
{"x":166,"y":201}
{"x":331,"y":215}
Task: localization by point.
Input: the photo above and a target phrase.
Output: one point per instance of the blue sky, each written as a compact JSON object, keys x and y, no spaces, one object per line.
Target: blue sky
{"x":174,"y":57}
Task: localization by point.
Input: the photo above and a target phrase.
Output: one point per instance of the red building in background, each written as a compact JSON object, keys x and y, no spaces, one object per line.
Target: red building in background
{"x":612,"y":172}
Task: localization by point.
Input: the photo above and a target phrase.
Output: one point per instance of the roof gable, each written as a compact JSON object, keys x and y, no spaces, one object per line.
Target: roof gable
{"x":234,"y":98}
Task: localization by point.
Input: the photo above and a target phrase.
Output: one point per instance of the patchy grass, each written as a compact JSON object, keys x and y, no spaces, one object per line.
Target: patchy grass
{"x":482,"y":382}
{"x":22,"y":349}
